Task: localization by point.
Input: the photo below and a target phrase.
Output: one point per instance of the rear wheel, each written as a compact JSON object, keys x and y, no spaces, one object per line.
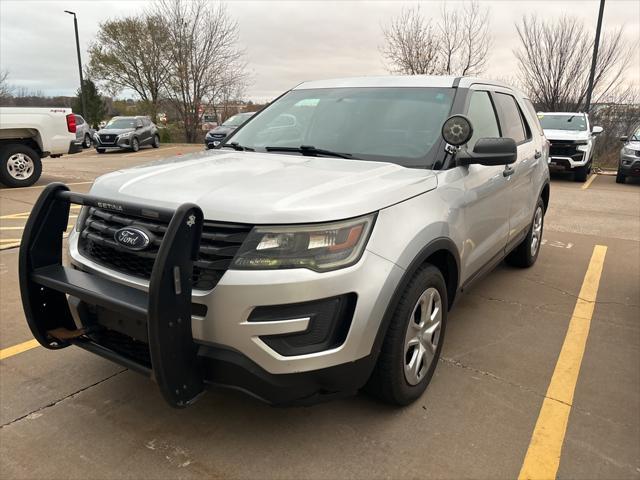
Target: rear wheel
{"x":620,"y":177}
{"x":20,"y":165}
{"x":526,"y":254}
{"x":135,"y":144}
{"x":413,"y":342}
{"x":87,"y":141}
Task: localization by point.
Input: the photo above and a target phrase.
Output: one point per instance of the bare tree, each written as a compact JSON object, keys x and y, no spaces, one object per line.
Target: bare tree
{"x":203,"y":56}
{"x":464,"y":39}
{"x":412,"y":45}
{"x":130,"y":53}
{"x":5,"y":89}
{"x":458,"y":43}
{"x":554,"y":61}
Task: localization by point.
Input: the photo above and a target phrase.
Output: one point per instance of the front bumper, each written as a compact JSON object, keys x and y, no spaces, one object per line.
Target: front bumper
{"x":229,"y":341}
{"x":119,"y":142}
{"x":568,"y":155}
{"x":629,"y":165}
{"x":213,"y":142}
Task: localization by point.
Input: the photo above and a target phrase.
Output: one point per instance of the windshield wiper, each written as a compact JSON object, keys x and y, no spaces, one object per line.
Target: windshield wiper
{"x":311,"y":151}
{"x":238,"y":147}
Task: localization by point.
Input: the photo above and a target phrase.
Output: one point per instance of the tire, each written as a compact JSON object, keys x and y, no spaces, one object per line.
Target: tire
{"x":393,"y":380}
{"x":87,"y":141}
{"x":100,"y":150}
{"x":525,"y":254}
{"x":135,"y":145}
{"x":582,"y":173}
{"x":20,"y":165}
{"x":620,"y":177}
{"x":156,"y":141}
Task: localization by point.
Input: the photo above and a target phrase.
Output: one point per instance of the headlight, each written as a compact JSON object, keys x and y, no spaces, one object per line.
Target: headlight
{"x":320,"y":248}
{"x":125,"y":135}
{"x":628,"y":151}
{"x":583,"y":147}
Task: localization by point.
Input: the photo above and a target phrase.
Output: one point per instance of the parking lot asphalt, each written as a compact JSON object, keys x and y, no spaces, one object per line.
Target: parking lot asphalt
{"x":513,"y":342}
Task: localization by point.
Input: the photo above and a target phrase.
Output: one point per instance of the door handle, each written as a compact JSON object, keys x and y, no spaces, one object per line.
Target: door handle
{"x":538,"y":154}
{"x":508,"y":171}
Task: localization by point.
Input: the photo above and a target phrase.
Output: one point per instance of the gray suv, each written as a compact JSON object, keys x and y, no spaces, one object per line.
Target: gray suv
{"x":303,"y":260}
{"x":84,"y":132}
{"x":629,"y":163}
{"x":127,"y":132}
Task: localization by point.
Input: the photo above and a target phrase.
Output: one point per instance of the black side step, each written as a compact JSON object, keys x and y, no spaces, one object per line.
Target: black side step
{"x":166,"y":308}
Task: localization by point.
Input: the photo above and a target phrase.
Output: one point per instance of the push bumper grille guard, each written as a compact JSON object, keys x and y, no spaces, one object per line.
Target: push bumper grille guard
{"x":166,"y":308}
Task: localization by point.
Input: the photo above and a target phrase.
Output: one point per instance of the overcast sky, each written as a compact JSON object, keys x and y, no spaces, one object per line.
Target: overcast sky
{"x":286,"y":41}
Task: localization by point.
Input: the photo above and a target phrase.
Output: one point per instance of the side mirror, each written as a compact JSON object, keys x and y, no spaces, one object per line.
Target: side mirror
{"x":490,"y":152}
{"x":597,"y":130}
{"x":624,"y":138}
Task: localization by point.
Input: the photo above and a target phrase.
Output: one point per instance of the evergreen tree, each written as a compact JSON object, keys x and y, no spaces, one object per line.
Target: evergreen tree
{"x":96,"y":108}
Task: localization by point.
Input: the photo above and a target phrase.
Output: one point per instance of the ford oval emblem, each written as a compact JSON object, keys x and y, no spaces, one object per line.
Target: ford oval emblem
{"x":132,"y":238}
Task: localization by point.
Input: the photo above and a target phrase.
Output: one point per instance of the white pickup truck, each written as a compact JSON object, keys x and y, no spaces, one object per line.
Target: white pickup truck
{"x":29,"y":134}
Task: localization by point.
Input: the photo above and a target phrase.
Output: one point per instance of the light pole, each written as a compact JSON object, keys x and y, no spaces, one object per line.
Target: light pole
{"x":75,"y":25}
{"x":594,"y":60}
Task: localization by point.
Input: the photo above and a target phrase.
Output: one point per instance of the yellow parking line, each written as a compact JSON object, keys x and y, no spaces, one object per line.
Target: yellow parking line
{"x":6,"y":246}
{"x":589,"y":181}
{"x":16,"y":349}
{"x":543,"y":456}
{"x":22,"y":228}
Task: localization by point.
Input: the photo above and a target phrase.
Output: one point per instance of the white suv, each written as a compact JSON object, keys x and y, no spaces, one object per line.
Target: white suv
{"x":305,"y":258}
{"x":572,"y":142}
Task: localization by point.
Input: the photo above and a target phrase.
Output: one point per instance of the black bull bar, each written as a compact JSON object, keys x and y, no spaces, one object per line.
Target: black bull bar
{"x":165,"y":308}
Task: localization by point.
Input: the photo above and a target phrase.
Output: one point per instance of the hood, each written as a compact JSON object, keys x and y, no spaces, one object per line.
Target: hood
{"x":222,"y":129}
{"x":114,"y":131}
{"x":263,"y":188}
{"x":634,"y":145}
{"x":566,"y":134}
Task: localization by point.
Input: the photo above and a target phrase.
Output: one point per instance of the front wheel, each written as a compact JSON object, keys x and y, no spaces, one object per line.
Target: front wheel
{"x":156,"y":141}
{"x":413,"y":342}
{"x":582,"y":173}
{"x":135,"y":144}
{"x":620,"y":177}
{"x":100,"y":150}
{"x":20,"y":165}
{"x":526,"y":253}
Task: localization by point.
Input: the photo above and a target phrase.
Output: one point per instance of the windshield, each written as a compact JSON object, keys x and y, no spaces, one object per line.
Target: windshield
{"x":236,"y":120}
{"x":575,"y":122}
{"x":398,"y":125}
{"x":636,"y":136}
{"x":121,"y":123}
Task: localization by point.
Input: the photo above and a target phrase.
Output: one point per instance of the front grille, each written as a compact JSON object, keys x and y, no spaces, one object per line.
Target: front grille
{"x":107,"y":138}
{"x":218,"y":246}
{"x":561,"y":148}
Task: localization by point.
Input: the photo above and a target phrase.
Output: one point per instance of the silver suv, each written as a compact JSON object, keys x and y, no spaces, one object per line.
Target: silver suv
{"x":313,"y":257}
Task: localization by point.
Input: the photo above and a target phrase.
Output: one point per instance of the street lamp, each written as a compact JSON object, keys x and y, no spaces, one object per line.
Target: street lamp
{"x":594,"y":59}
{"x":75,"y":25}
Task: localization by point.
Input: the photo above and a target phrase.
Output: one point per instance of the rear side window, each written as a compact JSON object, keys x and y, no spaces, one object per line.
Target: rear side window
{"x":79,"y":120}
{"x":511,"y":120}
{"x":533,"y":116}
{"x":146,"y":122}
{"x":483,"y":117}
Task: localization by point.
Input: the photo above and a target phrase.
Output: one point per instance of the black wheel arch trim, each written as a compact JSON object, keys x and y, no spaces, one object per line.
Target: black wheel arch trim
{"x":436,"y":245}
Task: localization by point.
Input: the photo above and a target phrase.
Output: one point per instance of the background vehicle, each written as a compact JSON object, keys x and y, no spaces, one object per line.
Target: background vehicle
{"x":29,"y":134}
{"x":572,"y":141}
{"x":337,"y":230}
{"x":84,"y":132}
{"x":629,"y":163}
{"x":216,"y":136}
{"x":127,"y":132}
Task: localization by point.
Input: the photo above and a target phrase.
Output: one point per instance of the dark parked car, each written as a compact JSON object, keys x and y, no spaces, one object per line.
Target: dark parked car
{"x":127,"y":132}
{"x":217,"y":135}
{"x":629,"y":163}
